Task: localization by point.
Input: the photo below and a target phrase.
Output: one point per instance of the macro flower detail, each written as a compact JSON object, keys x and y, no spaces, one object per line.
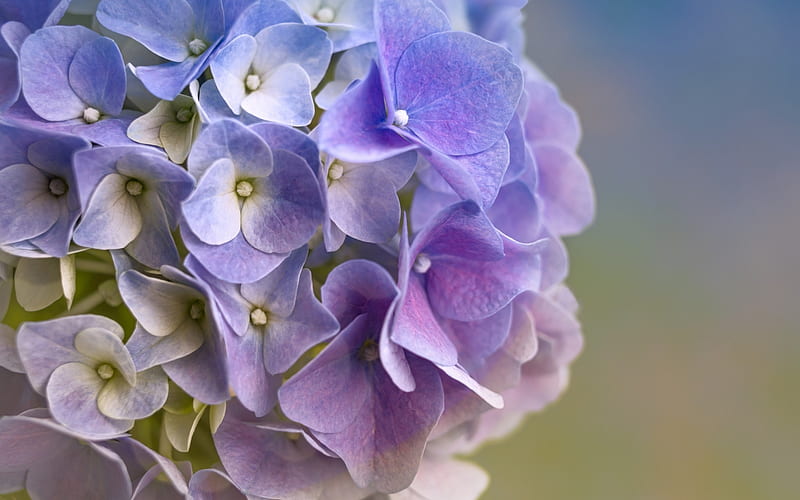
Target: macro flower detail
{"x":88,"y":376}
{"x":39,"y":202}
{"x":285,"y":249}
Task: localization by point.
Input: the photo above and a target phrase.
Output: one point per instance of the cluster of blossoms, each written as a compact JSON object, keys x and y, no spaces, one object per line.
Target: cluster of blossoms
{"x":308,"y":249}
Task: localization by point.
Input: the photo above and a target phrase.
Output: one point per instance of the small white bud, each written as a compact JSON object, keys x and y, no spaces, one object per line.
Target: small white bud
{"x":134,"y":187}
{"x":244,"y":189}
{"x":258,"y":317}
{"x":336,"y":171}
{"x":252,"y":82}
{"x":105,"y":371}
{"x":401,"y":118}
{"x":325,"y":15}
{"x":91,"y":115}
{"x":197,"y":47}
{"x":422,"y":263}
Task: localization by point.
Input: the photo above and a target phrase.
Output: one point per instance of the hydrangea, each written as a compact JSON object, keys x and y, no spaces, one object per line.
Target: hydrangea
{"x":277,"y":249}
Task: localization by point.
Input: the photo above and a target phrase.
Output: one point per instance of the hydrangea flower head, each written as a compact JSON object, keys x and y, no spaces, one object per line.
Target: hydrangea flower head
{"x":295,"y":249}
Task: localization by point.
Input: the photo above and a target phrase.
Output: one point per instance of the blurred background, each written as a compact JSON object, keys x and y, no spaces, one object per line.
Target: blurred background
{"x":689,"y":384}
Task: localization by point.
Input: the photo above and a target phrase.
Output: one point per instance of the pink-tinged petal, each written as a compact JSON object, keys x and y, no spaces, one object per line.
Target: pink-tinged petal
{"x":12,"y":481}
{"x":459,"y":90}
{"x":398,"y":23}
{"x":287,"y":338}
{"x":548,"y":120}
{"x":235,"y":261}
{"x":471,"y":290}
{"x":446,"y":478}
{"x":515,"y":212}
{"x":461,"y":230}
{"x":460,"y":375}
{"x":383,"y":446}
{"x":355,"y":129}
{"x":566,"y":190}
{"x":416,"y":329}
{"x":212,"y":212}
{"x":285,"y":209}
{"x":476,"y":340}
{"x":88,"y":472}
{"x":329,"y":392}
{"x":72,"y":393}
{"x":555,"y":261}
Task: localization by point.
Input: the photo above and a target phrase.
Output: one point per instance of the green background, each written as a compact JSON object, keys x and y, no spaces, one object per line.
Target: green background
{"x":688,"y":386}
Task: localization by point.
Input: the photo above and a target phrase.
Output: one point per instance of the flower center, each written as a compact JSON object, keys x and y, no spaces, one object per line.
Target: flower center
{"x":184,"y":115}
{"x":134,"y":187}
{"x":325,"y":14}
{"x":244,"y":189}
{"x":252,"y":82}
{"x":197,"y":310}
{"x":258,"y":317}
{"x":105,"y":371}
{"x":422,"y":263}
{"x":197,"y":47}
{"x":57,"y":186}
{"x":91,"y":115}
{"x":369,"y":351}
{"x":336,"y":171}
{"x":401,"y":118}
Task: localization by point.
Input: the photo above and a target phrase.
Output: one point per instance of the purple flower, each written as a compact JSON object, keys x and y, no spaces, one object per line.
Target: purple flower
{"x":132,"y":196}
{"x":39,"y":202}
{"x":252,"y":205}
{"x":272,"y":322}
{"x":88,"y":376}
{"x":348,"y":400}
{"x":178,"y":328}
{"x":271,"y":75}
{"x":451,"y":93}
{"x":186,"y":33}
{"x":269,"y":457}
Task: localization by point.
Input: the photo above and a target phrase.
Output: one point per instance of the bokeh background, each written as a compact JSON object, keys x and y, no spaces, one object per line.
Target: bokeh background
{"x":689,"y":384}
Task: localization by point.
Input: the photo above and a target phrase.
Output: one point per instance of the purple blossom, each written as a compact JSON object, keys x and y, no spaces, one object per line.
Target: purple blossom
{"x":88,"y":376}
{"x":452,"y":93}
{"x":348,"y":400}
{"x":252,"y":204}
{"x":132,"y":196}
{"x":272,"y":322}
{"x":178,"y":328}
{"x":39,"y":202}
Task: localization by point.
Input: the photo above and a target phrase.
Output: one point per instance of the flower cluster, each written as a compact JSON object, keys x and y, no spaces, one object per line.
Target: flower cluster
{"x":285,"y":249}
